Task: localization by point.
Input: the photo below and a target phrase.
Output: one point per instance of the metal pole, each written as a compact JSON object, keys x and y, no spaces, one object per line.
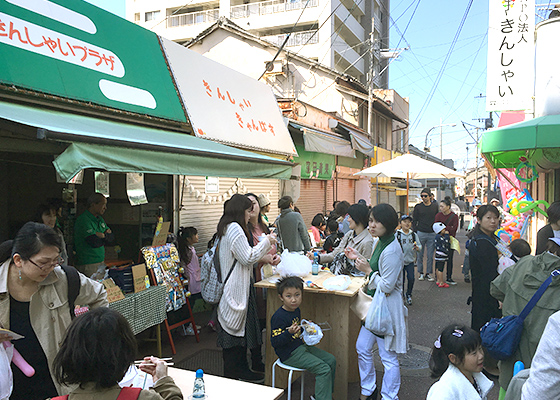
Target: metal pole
{"x":370,"y":86}
{"x":476,"y":168}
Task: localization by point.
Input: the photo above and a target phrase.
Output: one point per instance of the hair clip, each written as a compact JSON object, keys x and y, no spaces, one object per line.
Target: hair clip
{"x":457,"y":333}
{"x":437,"y":343}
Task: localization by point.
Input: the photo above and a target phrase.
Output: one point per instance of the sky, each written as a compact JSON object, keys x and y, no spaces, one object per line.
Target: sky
{"x":429,"y":27}
{"x":444,"y":79}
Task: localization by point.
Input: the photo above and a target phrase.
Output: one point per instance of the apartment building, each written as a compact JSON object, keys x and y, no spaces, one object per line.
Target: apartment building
{"x":335,"y":33}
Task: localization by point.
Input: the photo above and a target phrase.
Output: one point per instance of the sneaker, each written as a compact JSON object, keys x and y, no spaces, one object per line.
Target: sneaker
{"x":429,"y":277}
{"x":252,"y":377}
{"x":442,"y":285}
{"x":421,"y":277}
{"x":189,"y":331}
{"x":409,"y":300}
{"x":450,"y":282}
{"x":212,"y":325}
{"x":467,"y":279}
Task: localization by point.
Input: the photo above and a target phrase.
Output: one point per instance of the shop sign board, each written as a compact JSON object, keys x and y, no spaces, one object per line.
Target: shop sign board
{"x":315,"y":165}
{"x":75,"y":50}
{"x":511,"y":55}
{"x":227,"y":106}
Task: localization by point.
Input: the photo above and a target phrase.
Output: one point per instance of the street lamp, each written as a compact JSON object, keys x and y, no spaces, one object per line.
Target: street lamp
{"x":427,"y":149}
{"x":440,"y":126}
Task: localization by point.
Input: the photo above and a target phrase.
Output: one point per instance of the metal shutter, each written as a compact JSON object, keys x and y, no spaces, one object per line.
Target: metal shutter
{"x":345,"y":190}
{"x":205,"y":216}
{"x":312,"y":199}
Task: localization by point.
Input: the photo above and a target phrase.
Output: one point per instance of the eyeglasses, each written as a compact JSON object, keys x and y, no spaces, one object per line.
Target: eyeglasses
{"x":423,"y":195}
{"x":47,"y":266}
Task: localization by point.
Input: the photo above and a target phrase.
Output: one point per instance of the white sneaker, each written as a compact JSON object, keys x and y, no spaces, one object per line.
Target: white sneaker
{"x":421,"y":277}
{"x":429,"y":277}
{"x":189,"y":331}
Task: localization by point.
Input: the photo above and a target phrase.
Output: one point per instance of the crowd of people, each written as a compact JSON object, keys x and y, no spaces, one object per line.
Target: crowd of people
{"x":374,"y":242}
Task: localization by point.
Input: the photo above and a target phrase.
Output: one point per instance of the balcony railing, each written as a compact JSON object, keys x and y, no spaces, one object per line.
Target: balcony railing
{"x":296,"y":38}
{"x":269,"y":7}
{"x":194,"y":18}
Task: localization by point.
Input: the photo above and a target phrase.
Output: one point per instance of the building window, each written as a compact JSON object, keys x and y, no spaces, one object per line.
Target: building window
{"x":136,"y":17}
{"x":151,"y":16}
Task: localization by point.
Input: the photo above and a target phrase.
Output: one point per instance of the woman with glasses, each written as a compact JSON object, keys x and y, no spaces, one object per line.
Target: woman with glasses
{"x":34,"y":304}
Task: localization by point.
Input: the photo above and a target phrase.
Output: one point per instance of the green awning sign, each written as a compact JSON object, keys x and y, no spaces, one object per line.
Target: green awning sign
{"x":315,"y":165}
{"x":79,"y":51}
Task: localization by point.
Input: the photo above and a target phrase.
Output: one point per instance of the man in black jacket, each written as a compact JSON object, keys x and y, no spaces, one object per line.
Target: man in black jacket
{"x":423,"y":217}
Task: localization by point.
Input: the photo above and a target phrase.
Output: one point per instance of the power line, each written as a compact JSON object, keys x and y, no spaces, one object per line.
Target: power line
{"x":285,"y":41}
{"x":440,"y":74}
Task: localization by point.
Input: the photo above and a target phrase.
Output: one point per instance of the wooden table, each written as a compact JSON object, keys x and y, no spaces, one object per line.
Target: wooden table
{"x":218,"y":388}
{"x":320,"y":305}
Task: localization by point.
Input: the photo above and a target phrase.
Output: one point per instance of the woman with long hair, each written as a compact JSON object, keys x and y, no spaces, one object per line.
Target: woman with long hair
{"x":451,"y":222}
{"x":237,"y":310}
{"x":258,"y":229}
{"x":34,"y":303}
{"x":385,"y":272}
{"x":483,"y":261}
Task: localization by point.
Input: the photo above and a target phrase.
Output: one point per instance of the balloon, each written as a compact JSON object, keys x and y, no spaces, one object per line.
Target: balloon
{"x":526,"y":206}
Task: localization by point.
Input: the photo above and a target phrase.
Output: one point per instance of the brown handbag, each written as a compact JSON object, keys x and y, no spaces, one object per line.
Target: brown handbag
{"x":360,"y":305}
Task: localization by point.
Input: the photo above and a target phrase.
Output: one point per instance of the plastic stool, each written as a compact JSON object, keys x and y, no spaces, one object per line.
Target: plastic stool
{"x":291,"y":369}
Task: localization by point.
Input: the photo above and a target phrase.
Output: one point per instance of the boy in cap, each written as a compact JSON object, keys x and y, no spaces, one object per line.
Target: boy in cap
{"x":410,"y":245}
{"x":442,"y":252}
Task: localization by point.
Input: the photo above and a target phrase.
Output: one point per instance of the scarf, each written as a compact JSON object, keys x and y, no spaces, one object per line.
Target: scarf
{"x":383,"y":242}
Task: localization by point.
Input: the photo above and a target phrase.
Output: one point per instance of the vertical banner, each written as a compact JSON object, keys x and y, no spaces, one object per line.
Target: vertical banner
{"x":511,"y":55}
{"x":135,"y":189}
{"x":101,"y":182}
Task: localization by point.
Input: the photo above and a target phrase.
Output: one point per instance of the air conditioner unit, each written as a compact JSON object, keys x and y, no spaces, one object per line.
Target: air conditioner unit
{"x":275,"y":68}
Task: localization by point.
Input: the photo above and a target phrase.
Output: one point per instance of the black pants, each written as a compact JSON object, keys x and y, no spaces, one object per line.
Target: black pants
{"x":450,"y":264}
{"x":235,"y":362}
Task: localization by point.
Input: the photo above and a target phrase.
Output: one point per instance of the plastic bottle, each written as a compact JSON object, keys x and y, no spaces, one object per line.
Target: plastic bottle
{"x":198,"y":390}
{"x":315,"y":265}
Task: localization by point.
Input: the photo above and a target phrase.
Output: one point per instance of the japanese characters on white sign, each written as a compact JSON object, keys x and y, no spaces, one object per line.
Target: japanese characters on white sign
{"x":511,"y":54}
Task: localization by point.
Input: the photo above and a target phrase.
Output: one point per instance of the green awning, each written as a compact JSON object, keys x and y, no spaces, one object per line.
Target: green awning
{"x":119,"y":147}
{"x":81,"y":156}
{"x":503,"y":146}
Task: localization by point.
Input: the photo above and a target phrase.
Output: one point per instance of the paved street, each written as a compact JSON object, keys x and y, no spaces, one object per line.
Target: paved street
{"x":432,"y":309}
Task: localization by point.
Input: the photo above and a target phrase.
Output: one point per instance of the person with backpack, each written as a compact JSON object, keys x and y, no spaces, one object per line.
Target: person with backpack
{"x":35,"y":303}
{"x":95,"y":355}
{"x":410,"y":245}
{"x":514,"y":288}
{"x":238,"y":320}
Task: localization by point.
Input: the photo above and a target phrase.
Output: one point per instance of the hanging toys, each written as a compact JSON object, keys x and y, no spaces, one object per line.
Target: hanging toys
{"x":529,"y":177}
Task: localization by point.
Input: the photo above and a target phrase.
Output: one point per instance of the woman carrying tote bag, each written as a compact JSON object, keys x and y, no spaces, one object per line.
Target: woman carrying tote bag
{"x":385,"y":269}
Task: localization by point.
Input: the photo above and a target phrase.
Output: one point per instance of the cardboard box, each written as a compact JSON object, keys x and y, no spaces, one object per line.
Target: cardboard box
{"x":139,"y":277}
{"x":114,"y":293}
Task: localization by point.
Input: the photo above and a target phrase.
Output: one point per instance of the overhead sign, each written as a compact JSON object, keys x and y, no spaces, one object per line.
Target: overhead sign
{"x":511,"y":55}
{"x":75,"y":50}
{"x":226,"y":106}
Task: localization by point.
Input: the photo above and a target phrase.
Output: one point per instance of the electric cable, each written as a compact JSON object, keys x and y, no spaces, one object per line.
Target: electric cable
{"x":440,"y":74}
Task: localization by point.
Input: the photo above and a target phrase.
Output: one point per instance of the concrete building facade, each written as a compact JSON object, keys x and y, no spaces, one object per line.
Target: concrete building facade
{"x":335,"y":33}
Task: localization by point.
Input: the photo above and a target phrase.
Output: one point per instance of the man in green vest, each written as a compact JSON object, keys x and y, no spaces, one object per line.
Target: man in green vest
{"x":91,"y":234}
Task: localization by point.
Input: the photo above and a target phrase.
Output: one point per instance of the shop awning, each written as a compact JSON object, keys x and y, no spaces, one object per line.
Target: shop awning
{"x":322,"y":142}
{"x":503,"y":146}
{"x":119,"y":147}
{"x":359,"y":141}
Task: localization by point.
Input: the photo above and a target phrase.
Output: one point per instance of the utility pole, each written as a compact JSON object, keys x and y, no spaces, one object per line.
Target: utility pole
{"x":476,"y":168}
{"x":370,"y":86}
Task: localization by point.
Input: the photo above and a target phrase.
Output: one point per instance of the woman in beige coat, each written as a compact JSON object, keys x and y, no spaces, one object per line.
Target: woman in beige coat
{"x":96,"y":353}
{"x":358,"y":237}
{"x":34,"y":303}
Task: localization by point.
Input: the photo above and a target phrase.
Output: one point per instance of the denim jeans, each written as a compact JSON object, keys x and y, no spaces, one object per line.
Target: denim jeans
{"x":466,"y":265}
{"x":427,"y":240}
{"x":409,"y":274}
